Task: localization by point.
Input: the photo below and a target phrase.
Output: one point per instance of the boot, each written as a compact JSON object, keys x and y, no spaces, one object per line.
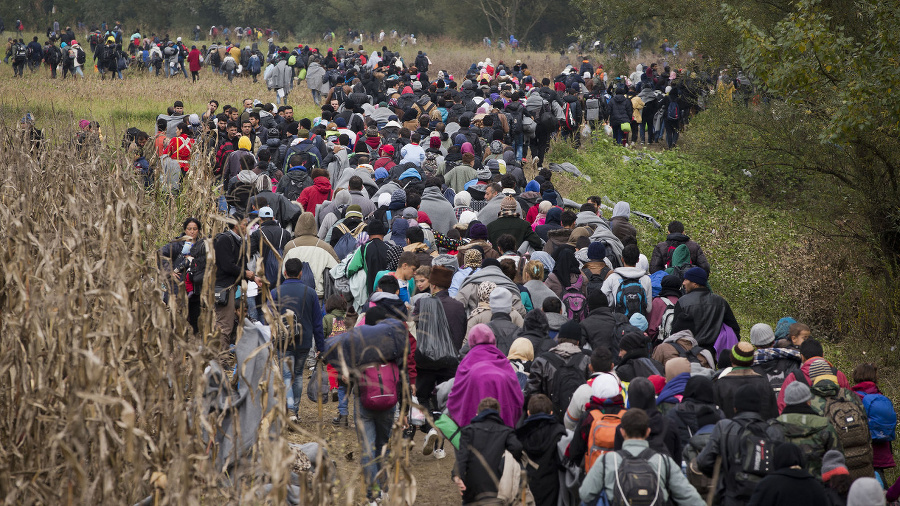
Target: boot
{"x":340,"y":421}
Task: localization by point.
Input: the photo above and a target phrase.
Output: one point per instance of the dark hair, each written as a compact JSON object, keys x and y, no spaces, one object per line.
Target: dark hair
{"x":413,"y":200}
{"x":508,"y":181}
{"x":506,"y":242}
{"x":551,"y":305}
{"x":631,"y":254}
{"x":508,"y":266}
{"x":496,"y":187}
{"x":293,"y":267}
{"x":344,"y":139}
{"x":414,"y":235}
{"x":865,"y":372}
{"x":318,"y":172}
{"x":635,"y":423}
{"x":333,"y":302}
{"x":488,"y":403}
{"x":567,"y":218}
{"x":355,"y":183}
{"x":840,"y":483}
{"x":601,"y":359}
{"x":195,"y":221}
{"x":676,"y":227}
{"x":540,"y":403}
{"x":591,"y":208}
{"x":408,"y":258}
{"x":811,"y":348}
{"x":389,"y":284}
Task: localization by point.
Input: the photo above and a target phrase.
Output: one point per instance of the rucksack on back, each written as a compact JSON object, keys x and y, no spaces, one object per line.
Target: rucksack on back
{"x":595,"y":281}
{"x":348,"y":242}
{"x":665,"y":324}
{"x":672,"y":112}
{"x":569,"y":122}
{"x":755,"y":458}
{"x":19,"y":52}
{"x":569,"y":376}
{"x":882,"y":417}
{"x":274,"y":258}
{"x":848,"y":417}
{"x":379,"y":386}
{"x":575,"y":302}
{"x":631,"y":297}
{"x":637,"y":479}
{"x":430,"y":165}
{"x":80,"y":57}
{"x":602,"y":437}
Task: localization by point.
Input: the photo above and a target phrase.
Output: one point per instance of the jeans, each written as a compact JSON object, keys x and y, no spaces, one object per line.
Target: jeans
{"x":617,"y":132}
{"x":253,"y":310}
{"x":648,"y":129}
{"x":292,"y":364}
{"x":518,"y":142}
{"x":374,"y":430}
{"x":671,"y":133}
{"x":317,"y":96}
{"x":343,"y":400}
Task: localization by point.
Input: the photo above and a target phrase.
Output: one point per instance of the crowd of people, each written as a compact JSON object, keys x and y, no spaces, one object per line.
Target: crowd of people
{"x":410,"y":217}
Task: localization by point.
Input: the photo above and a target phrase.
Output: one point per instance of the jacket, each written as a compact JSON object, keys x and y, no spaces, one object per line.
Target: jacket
{"x":307,"y":246}
{"x":622,"y":228}
{"x":703,"y":313}
{"x":684,"y":417}
{"x":230,"y":263}
{"x":555,"y":238}
{"x":726,"y":385}
{"x":282,"y":77}
{"x":611,"y":285}
{"x":881,"y":450}
{"x":601,"y":328}
{"x":480,"y":455}
{"x":505,"y":331}
{"x":438,"y":209}
{"x":620,"y":110}
{"x":468,"y":291}
{"x":543,"y":372}
{"x":312,"y":196}
{"x":638,"y":364}
{"x":539,"y":434}
{"x":491,"y":210}
{"x":789,"y":487}
{"x":673,"y":485}
{"x":804,"y":369}
{"x":538,"y":292}
{"x":516,"y":227}
{"x":775,"y":364}
{"x":657,"y":307}
{"x":661,"y":252}
{"x":723,"y":444}
{"x":293,"y":294}
{"x":812,"y":432}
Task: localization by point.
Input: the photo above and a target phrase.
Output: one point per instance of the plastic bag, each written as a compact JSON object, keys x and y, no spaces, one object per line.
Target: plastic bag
{"x":317,"y":387}
{"x":433,"y":334}
{"x":416,"y":416}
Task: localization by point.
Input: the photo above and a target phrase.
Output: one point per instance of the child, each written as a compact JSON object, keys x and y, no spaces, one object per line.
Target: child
{"x":540,"y":433}
{"x":480,"y":455}
{"x":333,"y":324}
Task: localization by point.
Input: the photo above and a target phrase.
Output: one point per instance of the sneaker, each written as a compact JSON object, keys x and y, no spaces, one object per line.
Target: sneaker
{"x":294,"y":418}
{"x":340,"y":421}
{"x":334,"y":395}
{"x":440,"y":453}
{"x":430,"y":440}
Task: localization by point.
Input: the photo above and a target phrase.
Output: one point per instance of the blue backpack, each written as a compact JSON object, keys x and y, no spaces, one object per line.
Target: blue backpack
{"x":672,"y":112}
{"x":631,"y":297}
{"x":882,"y":417}
{"x":273,"y":262}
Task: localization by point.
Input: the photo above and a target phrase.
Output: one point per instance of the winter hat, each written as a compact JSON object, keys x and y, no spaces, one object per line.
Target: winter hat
{"x":676,"y":366}
{"x":340,"y":122}
{"x":820,"y":370}
{"x":467,"y":217}
{"x":697,"y":275}
{"x":747,"y":398}
{"x":478,"y":231}
{"x":381,"y":173}
{"x":376,"y":228}
{"x":501,"y":301}
{"x":797,"y":393}
{"x":244,"y":143}
{"x":544,"y":207}
{"x":783,"y":327}
{"x":670,"y":285}
{"x":442,"y":277}
{"x":866,"y":492}
{"x":597,"y":251}
{"x":570,"y":330}
{"x":658,"y":382}
{"x":354,"y":211}
{"x":533,"y":186}
{"x":508,"y":207}
{"x":642,"y":394}
{"x":472,"y":258}
{"x":604,"y":386}
{"x":434,"y":142}
{"x":398,"y":196}
{"x":788,"y":455}
{"x":762,"y":334}
{"x":446,"y":261}
{"x":462,"y":198}
{"x":483,"y":174}
{"x":639,"y":321}
{"x":833,"y":463}
{"x":384,"y":199}
{"x":742,"y":354}
{"x":496,"y":147}
{"x":633,"y":341}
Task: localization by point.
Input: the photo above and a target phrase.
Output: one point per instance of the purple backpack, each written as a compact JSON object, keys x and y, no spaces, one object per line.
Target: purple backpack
{"x":574,"y":301}
{"x":727,"y":339}
{"x":379,"y":386}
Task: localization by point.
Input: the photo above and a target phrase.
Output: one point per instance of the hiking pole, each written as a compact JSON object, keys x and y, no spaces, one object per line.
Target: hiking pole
{"x":715,"y":481}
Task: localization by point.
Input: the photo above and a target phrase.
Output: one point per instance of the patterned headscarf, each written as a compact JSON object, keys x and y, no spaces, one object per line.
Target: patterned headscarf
{"x":472,"y":258}
{"x":484,"y":297}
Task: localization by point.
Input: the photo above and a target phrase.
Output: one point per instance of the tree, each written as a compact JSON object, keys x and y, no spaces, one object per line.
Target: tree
{"x":511,"y":17}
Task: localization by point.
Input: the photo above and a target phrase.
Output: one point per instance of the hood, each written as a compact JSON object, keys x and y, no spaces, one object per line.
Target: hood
{"x":622,"y":210}
{"x":411,"y":173}
{"x":674,"y":389}
{"x":685,"y":335}
{"x":553,"y":216}
{"x":423,"y":100}
{"x":681,"y":256}
{"x":677,"y":237}
{"x":865,"y":387}
{"x":630,"y":272}
{"x":825,"y":388}
{"x":555,"y":321}
{"x":566,"y":350}
{"x":323,"y":185}
{"x":488,"y":414}
{"x":433,"y":193}
{"x":306,"y":225}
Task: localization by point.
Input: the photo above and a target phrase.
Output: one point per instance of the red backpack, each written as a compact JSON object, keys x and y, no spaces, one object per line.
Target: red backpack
{"x":379,"y":385}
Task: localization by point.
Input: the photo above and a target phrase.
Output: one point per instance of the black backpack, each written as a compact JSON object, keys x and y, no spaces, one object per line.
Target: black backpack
{"x":516,"y":120}
{"x":754,"y":459}
{"x":197,"y":268}
{"x":631,"y":297}
{"x":693,"y":355}
{"x":80,"y":57}
{"x":569,"y":376}
{"x":638,"y":481}
{"x":672,"y":112}
{"x":19,"y":52}
{"x":595,"y":281}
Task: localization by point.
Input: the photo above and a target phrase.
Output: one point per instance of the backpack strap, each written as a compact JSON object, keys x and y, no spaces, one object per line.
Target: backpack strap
{"x":343,"y":228}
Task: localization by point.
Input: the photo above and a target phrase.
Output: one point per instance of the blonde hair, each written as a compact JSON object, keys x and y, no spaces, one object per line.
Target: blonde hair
{"x":534,"y":270}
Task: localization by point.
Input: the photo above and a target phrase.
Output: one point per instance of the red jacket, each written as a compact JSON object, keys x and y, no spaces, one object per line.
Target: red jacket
{"x":842,"y":381}
{"x":193,"y":59}
{"x":179,"y":148}
{"x":314,"y":195}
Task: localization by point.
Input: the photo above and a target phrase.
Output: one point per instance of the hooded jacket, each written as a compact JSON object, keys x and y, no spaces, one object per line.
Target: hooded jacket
{"x":316,"y":194}
{"x":539,"y":434}
{"x":619,"y":223}
{"x":726,"y":385}
{"x":588,"y":218}
{"x":804,"y":369}
{"x":666,"y":351}
{"x":661,"y":252}
{"x":480,"y":455}
{"x":611,"y":284}
{"x":603,"y":327}
{"x":620,"y":110}
{"x":307,"y":247}
{"x":468,"y":291}
{"x":812,"y":432}
{"x":704,"y":312}
{"x":542,"y":376}
{"x":438,"y":209}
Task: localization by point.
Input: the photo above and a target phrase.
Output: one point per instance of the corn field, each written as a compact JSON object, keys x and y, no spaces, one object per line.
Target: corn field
{"x":101,"y":381}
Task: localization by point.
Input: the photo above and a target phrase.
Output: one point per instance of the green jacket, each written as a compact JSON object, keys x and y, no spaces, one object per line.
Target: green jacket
{"x":811,"y":432}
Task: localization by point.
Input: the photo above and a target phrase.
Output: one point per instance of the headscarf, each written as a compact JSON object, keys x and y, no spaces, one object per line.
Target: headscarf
{"x":788,"y":455}
{"x":484,"y":297}
{"x":782,"y":329}
{"x":621,"y":210}
{"x":566,"y":265}
{"x":467,"y":148}
{"x":484,"y":372}
{"x":462,"y":198}
{"x":472,"y":258}
{"x":544,"y":258}
{"x":521,"y":349}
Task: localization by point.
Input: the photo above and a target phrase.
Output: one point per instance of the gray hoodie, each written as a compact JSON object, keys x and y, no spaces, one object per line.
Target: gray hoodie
{"x":611,"y":285}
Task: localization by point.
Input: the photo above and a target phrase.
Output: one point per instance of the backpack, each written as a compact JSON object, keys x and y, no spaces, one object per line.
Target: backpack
{"x":631,"y":297}
{"x":692,"y":449}
{"x":575,"y":302}
{"x":292,"y":60}
{"x":882,"y":417}
{"x":379,"y":386}
{"x":672,"y":112}
{"x":569,"y":122}
{"x":19,"y":52}
{"x":293,"y":188}
{"x":693,"y":354}
{"x":348,"y":242}
{"x":567,"y":379}
{"x":197,"y":267}
{"x":516,"y":120}
{"x":595,"y":281}
{"x":614,"y":260}
{"x":222,"y":153}
{"x":592,"y":105}
{"x":602,"y":437}
{"x":430,"y":165}
{"x":665,"y":324}
{"x":53,"y":56}
{"x":255,"y":65}
{"x":754,"y":459}
{"x":670,"y":250}
{"x":637,"y":483}
{"x":80,"y":57}
{"x":338,"y":326}
{"x":848,"y":417}
{"x":273,"y":261}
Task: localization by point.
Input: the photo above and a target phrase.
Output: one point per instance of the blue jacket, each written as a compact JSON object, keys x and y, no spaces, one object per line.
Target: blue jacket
{"x":302,"y":300}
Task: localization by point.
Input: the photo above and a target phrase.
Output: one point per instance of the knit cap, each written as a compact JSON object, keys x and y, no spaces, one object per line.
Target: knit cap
{"x":570,"y":330}
{"x":797,"y":393}
{"x":501,"y":301}
{"x":742,"y":354}
{"x":508,"y":207}
{"x":605,"y":386}
{"x":467,"y":217}
{"x":478,"y":231}
{"x":762,"y":334}
{"x":446,"y":261}
{"x":697,"y":275}
{"x":442,"y":277}
{"x":355,"y":211}
{"x":597,"y":251}
{"x":639,"y":321}
{"x":483,"y":174}
{"x":866,"y":491}
{"x":633,"y":341}
{"x":658,"y":382}
{"x":833,"y":463}
{"x":398,"y":196}
{"x":819,"y":370}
